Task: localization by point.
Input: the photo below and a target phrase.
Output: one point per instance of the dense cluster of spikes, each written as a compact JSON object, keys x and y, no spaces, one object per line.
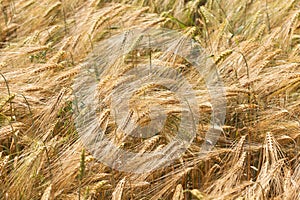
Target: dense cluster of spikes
{"x":46,"y":46}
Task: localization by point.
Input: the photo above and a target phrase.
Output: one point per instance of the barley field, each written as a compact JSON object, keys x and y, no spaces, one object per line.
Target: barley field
{"x":47,"y":47}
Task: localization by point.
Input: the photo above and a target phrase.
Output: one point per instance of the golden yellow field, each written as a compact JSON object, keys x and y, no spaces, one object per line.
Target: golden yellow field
{"x":255,"y":46}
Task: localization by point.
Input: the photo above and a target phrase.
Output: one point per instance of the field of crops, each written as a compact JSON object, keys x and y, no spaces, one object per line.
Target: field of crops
{"x":47,"y":49}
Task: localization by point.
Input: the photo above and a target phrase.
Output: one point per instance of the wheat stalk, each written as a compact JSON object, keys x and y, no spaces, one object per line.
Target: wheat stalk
{"x":117,"y":193}
{"x":53,"y":8}
{"x":178,"y":194}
